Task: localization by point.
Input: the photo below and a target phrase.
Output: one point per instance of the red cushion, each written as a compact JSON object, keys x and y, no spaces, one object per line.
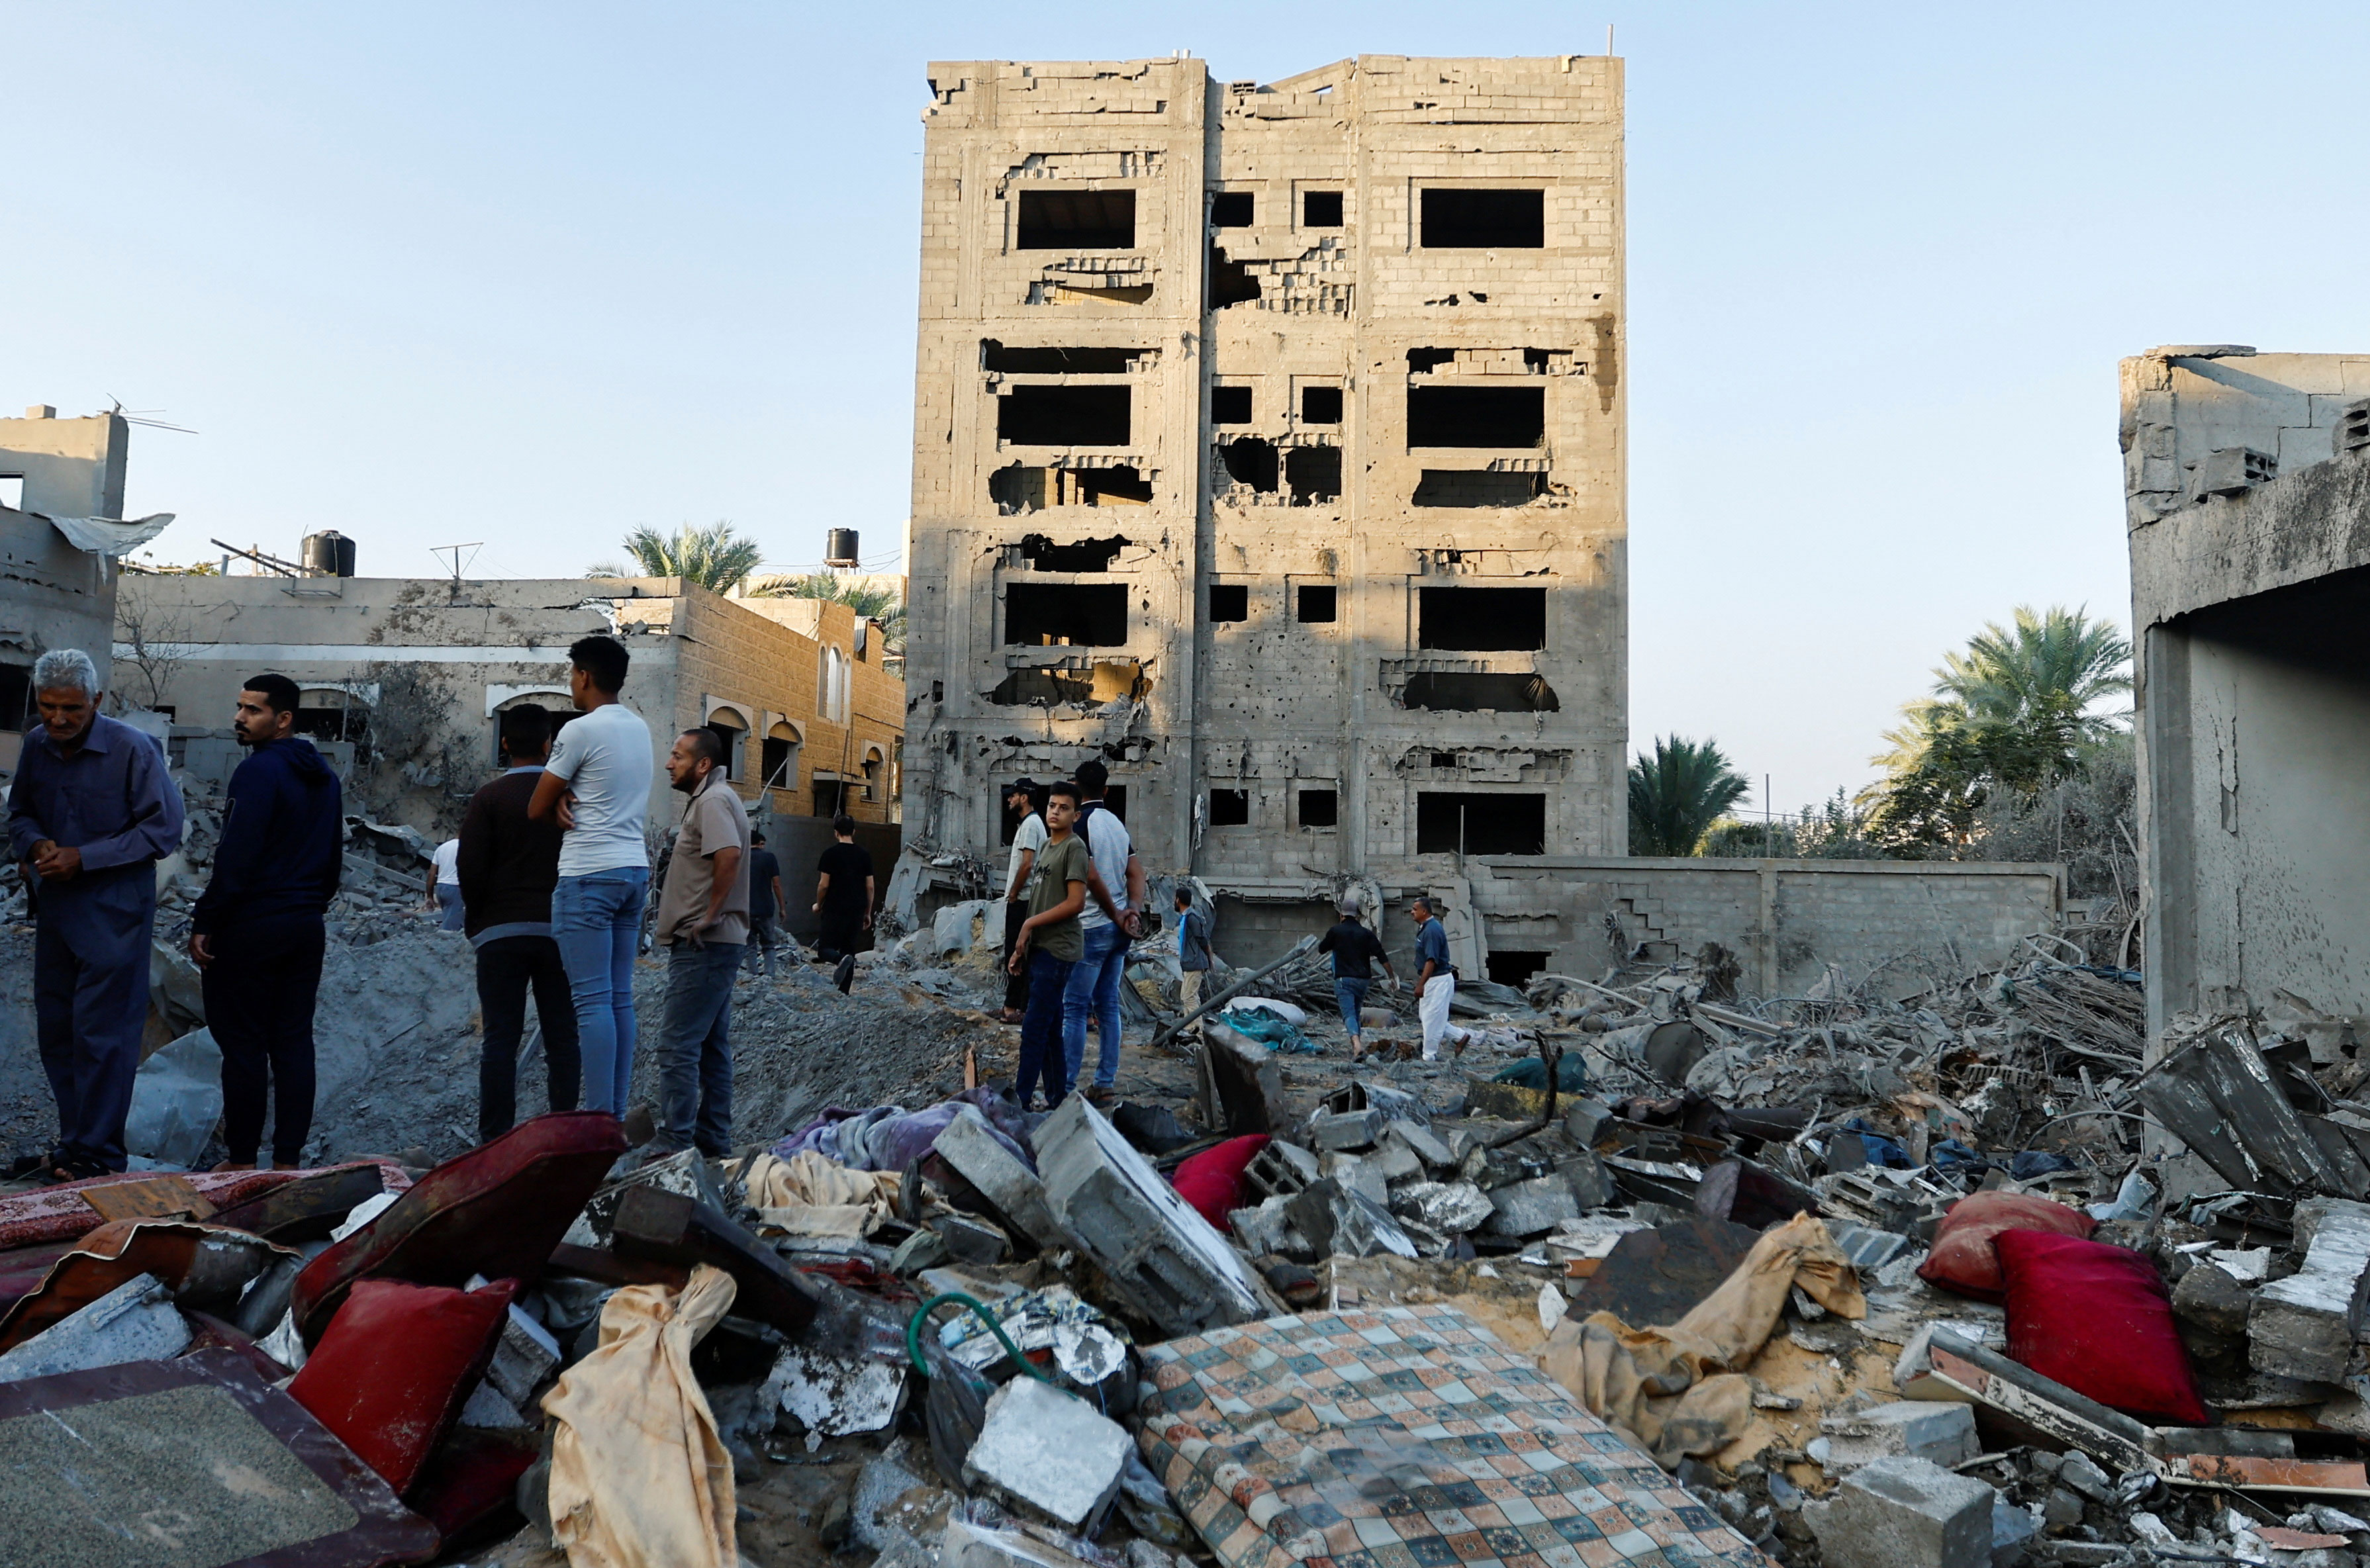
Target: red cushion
{"x":1212,"y":1179}
{"x":2096,"y":1318}
{"x":1962,"y":1259}
{"x":396,"y":1365}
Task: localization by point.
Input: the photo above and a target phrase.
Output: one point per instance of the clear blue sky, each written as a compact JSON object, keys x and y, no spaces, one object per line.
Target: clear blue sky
{"x":534,"y":274}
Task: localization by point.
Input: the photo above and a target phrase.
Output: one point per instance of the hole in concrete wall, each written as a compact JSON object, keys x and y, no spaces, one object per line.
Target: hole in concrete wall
{"x":1230,"y":601}
{"x":1086,"y":555}
{"x":12,"y":491}
{"x":1077,"y":220}
{"x":1230,"y":808}
{"x":1106,"y":680}
{"x":1484,"y":220}
{"x":1078,"y":614}
{"x":1017,"y":488}
{"x":1461,"y":693}
{"x":1064,"y":416}
{"x":1422,"y":360}
{"x":1476,"y":415}
{"x":1313,"y":472}
{"x":1321,"y":208}
{"x":16,"y":698}
{"x":1316,"y":603}
{"x":1477,"y":487}
{"x":1319,"y":807}
{"x":995,"y":356}
{"x":1320,"y":404}
{"x":1467,"y":822}
{"x":1444,"y":759}
{"x":1482,"y":620}
{"x":1250,"y":461}
{"x":1537,"y":360}
{"x":1230,"y":210}
{"x":1230,"y":406}
{"x":1045,"y":294}
{"x":1513,"y":968}
{"x":1231,"y":283}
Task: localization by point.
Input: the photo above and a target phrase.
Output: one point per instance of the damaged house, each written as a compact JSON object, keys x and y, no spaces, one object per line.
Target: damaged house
{"x":1270,"y":441}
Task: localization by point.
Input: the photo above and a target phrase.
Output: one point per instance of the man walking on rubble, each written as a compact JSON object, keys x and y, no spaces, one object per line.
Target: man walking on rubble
{"x":1108,"y":925}
{"x":257,"y":931}
{"x":765,"y":900}
{"x":1355,"y":950}
{"x":1192,"y":951}
{"x":1435,"y":980}
{"x":92,"y":809}
{"x":507,"y":865}
{"x":843,"y":894}
{"x":597,"y":787}
{"x":703,"y":922}
{"x":1027,"y":838}
{"x":1050,"y":945}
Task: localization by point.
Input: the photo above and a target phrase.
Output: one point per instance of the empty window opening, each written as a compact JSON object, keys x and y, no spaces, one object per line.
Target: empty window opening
{"x":1444,"y":759}
{"x":1539,"y":361}
{"x":1484,"y":220}
{"x":1230,"y":808}
{"x":778,"y":758}
{"x":1482,"y":620}
{"x":1231,"y":283}
{"x":729,"y":735}
{"x":1316,"y":603}
{"x":1115,"y":800}
{"x":1250,"y":461}
{"x":1463,"y":822}
{"x":1230,"y":210}
{"x":1077,"y":220}
{"x":12,"y":491}
{"x":1086,"y":555}
{"x":1513,"y":968}
{"x":1230,"y":406}
{"x":1422,"y":360}
{"x":1320,"y":404}
{"x":995,"y":356}
{"x":1321,"y":208}
{"x":1108,"y":681}
{"x":1062,"y":415}
{"x":1319,"y":807}
{"x":1048,"y":293}
{"x":1477,"y":487}
{"x":16,"y":698}
{"x":1456,"y":693}
{"x":1230,"y":601}
{"x":1314,"y":474}
{"x":1072,"y":615}
{"x":1017,"y":488}
{"x":1476,"y":416}
{"x":830,"y":796}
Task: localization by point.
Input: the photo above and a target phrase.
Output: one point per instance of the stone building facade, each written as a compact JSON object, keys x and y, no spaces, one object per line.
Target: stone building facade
{"x":1270,"y":444}
{"x":52,"y":594}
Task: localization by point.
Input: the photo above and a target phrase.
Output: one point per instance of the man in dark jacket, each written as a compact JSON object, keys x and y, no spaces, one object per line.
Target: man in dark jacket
{"x":257,"y":931}
{"x":1356,"y":949}
{"x":509,"y":863}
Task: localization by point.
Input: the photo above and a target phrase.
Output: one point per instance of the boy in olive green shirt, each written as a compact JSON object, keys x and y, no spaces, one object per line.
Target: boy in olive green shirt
{"x":1050,"y":943}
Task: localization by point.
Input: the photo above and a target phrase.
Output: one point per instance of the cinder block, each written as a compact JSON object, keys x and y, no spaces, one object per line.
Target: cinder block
{"x":1049,"y":1450}
{"x":1532,"y":1208}
{"x":971,"y":1148}
{"x":2305,"y":1325}
{"x":1905,"y":1513}
{"x":1926,"y":1429}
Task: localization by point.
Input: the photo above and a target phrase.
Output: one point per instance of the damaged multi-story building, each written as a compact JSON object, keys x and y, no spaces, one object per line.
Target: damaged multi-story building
{"x":1270,"y":444}
{"x":2247,"y":480}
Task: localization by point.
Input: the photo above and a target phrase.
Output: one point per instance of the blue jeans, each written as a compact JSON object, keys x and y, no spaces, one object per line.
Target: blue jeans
{"x":696,"y":1049}
{"x":1040,"y":1029}
{"x":451,"y":914}
{"x":1350,"y":994}
{"x":1093,"y":989}
{"x":596,"y":919}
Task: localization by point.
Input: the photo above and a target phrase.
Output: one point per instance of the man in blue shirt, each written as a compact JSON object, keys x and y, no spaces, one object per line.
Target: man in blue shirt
{"x":91,"y":812}
{"x":1435,"y":980}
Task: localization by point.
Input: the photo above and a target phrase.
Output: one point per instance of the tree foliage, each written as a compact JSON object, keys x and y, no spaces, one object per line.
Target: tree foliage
{"x":879,"y":599}
{"x":1677,"y":793}
{"x":715,"y":557}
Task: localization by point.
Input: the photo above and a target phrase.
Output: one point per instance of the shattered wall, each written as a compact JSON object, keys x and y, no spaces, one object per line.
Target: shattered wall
{"x":1269,"y":442}
{"x":52,"y":594}
{"x":2248,"y":483}
{"x":415,"y":671}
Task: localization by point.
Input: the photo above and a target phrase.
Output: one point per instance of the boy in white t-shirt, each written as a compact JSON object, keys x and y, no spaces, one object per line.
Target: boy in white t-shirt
{"x":597,"y":786}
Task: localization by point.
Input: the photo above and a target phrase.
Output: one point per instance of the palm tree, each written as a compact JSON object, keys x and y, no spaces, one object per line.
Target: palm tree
{"x":715,"y":557}
{"x":1677,"y":793}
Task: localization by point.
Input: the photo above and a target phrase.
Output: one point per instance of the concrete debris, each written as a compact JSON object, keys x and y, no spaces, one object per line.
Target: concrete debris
{"x":1338,"y":1222}
{"x":1944,"y":1434}
{"x":135,"y":1321}
{"x":1906,"y":1512}
{"x":2305,"y":1325}
{"x":1047,"y":1451}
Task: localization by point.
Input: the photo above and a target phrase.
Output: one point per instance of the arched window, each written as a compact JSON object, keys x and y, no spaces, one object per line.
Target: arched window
{"x":876,"y":768}
{"x":730,"y":726}
{"x":553,"y":699}
{"x":831,"y":685}
{"x":780,"y":757}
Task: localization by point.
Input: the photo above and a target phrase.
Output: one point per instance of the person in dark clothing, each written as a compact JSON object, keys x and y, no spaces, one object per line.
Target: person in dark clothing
{"x":844,"y":900}
{"x":509,"y":863}
{"x":765,"y":898}
{"x":1027,"y":838}
{"x":91,"y":811}
{"x":257,"y":930}
{"x":1355,"y":950}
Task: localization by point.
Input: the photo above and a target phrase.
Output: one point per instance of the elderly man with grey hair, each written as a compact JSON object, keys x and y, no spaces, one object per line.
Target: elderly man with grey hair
{"x":92,"y":810}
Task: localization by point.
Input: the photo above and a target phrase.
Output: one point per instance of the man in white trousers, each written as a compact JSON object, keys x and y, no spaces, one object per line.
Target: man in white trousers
{"x":1435,"y":980}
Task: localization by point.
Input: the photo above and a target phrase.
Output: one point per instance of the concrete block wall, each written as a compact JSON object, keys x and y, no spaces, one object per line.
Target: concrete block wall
{"x":52,"y":594}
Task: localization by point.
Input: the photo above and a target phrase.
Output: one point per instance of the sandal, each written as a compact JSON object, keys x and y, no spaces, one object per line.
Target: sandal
{"x":81,"y":1168}
{"x":29,"y":1165}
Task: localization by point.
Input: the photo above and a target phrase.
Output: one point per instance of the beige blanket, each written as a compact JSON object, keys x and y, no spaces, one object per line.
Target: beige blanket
{"x":1679,"y":1390}
{"x":809,"y":1196}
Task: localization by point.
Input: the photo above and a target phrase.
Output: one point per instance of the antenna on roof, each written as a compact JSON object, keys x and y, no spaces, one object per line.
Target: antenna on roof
{"x":1609,"y":40}
{"x":441,"y":551}
{"x":133,"y":417}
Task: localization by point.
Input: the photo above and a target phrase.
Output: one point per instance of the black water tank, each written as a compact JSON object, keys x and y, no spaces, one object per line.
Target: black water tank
{"x":839,"y":547}
{"x":329,"y":554}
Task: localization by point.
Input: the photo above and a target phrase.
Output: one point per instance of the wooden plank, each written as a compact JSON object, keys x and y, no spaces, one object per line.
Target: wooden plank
{"x":153,"y":1197}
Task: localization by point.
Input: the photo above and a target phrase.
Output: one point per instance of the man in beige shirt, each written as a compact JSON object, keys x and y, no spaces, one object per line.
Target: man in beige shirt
{"x":703,"y":922}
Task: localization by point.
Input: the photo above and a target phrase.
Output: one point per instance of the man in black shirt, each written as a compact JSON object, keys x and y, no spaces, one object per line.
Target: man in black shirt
{"x":844,"y":900}
{"x":1354,"y":947}
{"x":765,"y":898}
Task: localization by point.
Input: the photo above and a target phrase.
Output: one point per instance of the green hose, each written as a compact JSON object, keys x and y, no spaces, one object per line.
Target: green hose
{"x":914,"y":1334}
